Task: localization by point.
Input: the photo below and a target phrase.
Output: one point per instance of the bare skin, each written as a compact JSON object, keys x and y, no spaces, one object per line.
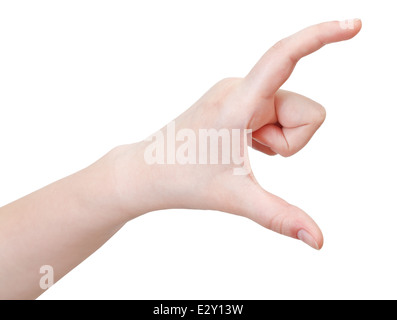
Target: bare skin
{"x":65,"y":222}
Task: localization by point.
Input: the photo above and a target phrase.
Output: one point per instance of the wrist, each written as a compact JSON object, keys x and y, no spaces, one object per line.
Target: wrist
{"x":135,"y":185}
{"x":96,"y":188}
{"x":141,"y":187}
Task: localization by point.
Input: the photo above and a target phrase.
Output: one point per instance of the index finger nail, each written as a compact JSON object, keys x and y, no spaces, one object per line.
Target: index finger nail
{"x":348,"y":24}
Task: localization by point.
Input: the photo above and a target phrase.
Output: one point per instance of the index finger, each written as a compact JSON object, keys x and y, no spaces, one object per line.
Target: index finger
{"x":277,"y":64}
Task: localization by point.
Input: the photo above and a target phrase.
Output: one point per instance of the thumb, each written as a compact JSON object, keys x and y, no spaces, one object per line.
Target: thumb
{"x":278,"y":215}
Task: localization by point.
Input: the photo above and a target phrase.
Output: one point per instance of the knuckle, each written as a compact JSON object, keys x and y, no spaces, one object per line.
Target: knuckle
{"x":281,"y":47}
{"x":287,"y":151}
{"x":279,"y":44}
{"x":221,"y":92}
{"x":322,"y":113}
{"x":281,"y":222}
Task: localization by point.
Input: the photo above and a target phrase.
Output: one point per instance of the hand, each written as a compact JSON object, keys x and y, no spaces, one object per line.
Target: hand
{"x":63,"y":223}
{"x":282,"y":123}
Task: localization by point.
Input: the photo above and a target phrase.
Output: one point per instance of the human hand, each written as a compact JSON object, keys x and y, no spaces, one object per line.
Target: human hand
{"x":60,"y":225}
{"x":282,"y":123}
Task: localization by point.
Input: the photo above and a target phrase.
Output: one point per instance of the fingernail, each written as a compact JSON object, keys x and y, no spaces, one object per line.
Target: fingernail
{"x":348,"y":24}
{"x":307,"y":238}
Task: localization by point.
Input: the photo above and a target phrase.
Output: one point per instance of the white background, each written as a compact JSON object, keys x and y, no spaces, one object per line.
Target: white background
{"x":80,"y":77}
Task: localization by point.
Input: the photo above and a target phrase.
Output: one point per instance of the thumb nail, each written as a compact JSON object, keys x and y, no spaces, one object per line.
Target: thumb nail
{"x":307,"y":238}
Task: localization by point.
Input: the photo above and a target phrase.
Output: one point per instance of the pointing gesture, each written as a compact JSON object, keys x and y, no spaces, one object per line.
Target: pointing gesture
{"x":282,"y":123}
{"x":62,"y":224}
{"x":277,"y":64}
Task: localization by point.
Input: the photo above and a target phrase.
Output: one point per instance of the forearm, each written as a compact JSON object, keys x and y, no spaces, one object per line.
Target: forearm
{"x":59,"y":225}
